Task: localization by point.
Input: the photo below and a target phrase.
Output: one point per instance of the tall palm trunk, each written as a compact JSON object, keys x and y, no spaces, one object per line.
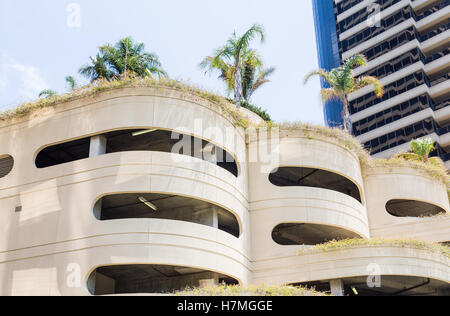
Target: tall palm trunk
{"x":238,"y":86}
{"x":346,"y":115}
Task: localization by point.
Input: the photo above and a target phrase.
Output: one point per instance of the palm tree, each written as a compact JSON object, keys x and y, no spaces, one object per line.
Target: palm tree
{"x":71,"y":82}
{"x":420,"y":150}
{"x":47,"y":93}
{"x":124,"y":57}
{"x":128,"y":56}
{"x":231,"y":58}
{"x":97,"y":69}
{"x":342,"y":82}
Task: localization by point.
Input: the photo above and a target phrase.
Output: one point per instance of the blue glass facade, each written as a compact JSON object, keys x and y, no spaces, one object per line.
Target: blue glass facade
{"x":328,"y":53}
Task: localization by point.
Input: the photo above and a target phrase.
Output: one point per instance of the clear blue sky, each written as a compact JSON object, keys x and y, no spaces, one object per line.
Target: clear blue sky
{"x":38,"y":49}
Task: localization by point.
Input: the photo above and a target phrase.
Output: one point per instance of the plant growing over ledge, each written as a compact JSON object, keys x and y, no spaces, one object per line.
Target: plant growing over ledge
{"x":47,"y":93}
{"x":374,"y":242}
{"x":131,"y":81}
{"x":418,"y":158}
{"x":342,"y":82}
{"x":237,"y":290}
{"x":71,"y":82}
{"x":420,"y":150}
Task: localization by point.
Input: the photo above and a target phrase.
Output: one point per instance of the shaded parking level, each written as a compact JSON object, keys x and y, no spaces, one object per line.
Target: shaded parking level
{"x":388,"y":286}
{"x":151,"y":279}
{"x":290,"y":234}
{"x":316,"y":178}
{"x":138,"y":140}
{"x":411,"y":208}
{"x":165,"y":206}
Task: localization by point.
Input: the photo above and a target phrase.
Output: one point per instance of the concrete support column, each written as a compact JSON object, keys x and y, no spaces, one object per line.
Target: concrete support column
{"x":97,"y":146}
{"x":214,"y":281}
{"x":337,"y":287}
{"x":215,"y":218}
{"x":209,"y":216}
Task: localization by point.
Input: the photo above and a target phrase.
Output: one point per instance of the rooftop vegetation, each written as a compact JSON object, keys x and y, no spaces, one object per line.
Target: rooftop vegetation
{"x":237,"y":290}
{"x":429,"y":166}
{"x":126,"y":81}
{"x":418,"y":158}
{"x":435,"y":171}
{"x":336,"y":134}
{"x":375,"y":242}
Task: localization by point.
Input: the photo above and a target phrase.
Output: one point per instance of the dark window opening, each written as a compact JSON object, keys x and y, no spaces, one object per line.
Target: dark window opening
{"x":316,"y":178}
{"x":139,"y":140}
{"x":63,"y":153}
{"x":161,"y":140}
{"x":6,"y":165}
{"x":411,"y":208}
{"x":292,"y":234}
{"x":169,"y":207}
{"x":151,"y":279}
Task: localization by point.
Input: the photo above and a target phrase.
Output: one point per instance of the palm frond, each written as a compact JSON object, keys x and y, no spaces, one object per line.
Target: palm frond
{"x":328,"y":94}
{"x":71,"y":81}
{"x":47,"y":93}
{"x":369,"y":81}
{"x":155,"y":71}
{"x":263,"y":78}
{"x":322,"y":73}
{"x":244,"y":41}
{"x":356,"y":60}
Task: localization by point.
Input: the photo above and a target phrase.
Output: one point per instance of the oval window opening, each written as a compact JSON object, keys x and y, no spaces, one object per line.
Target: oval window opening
{"x":151,"y":279}
{"x":6,"y":165}
{"x":292,"y":234}
{"x":315,"y":178}
{"x":138,"y":140}
{"x":168,"y":207}
{"x":412,"y":208}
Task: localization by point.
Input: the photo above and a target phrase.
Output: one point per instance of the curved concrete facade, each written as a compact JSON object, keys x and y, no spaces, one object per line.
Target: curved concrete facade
{"x":52,"y":242}
{"x":350,"y":263}
{"x":272,"y":205}
{"x":386,"y":184}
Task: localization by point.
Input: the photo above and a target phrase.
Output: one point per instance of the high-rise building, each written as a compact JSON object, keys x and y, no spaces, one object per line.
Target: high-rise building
{"x":407,"y":45}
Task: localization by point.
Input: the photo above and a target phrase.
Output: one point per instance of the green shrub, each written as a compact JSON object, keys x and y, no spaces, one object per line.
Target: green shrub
{"x":434,"y":170}
{"x":359,"y":243}
{"x":255,"y":109}
{"x":237,"y":290}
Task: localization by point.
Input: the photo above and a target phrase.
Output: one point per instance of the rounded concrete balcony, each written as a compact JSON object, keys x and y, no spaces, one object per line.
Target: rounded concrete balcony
{"x":138,"y":109}
{"x":125,"y":242}
{"x":68,"y":203}
{"x":315,"y":195}
{"x":421,"y":271}
{"x":399,"y":200}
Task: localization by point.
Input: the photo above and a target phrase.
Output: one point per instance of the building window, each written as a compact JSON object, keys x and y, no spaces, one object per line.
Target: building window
{"x":6,"y":165}
{"x":316,"y":178}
